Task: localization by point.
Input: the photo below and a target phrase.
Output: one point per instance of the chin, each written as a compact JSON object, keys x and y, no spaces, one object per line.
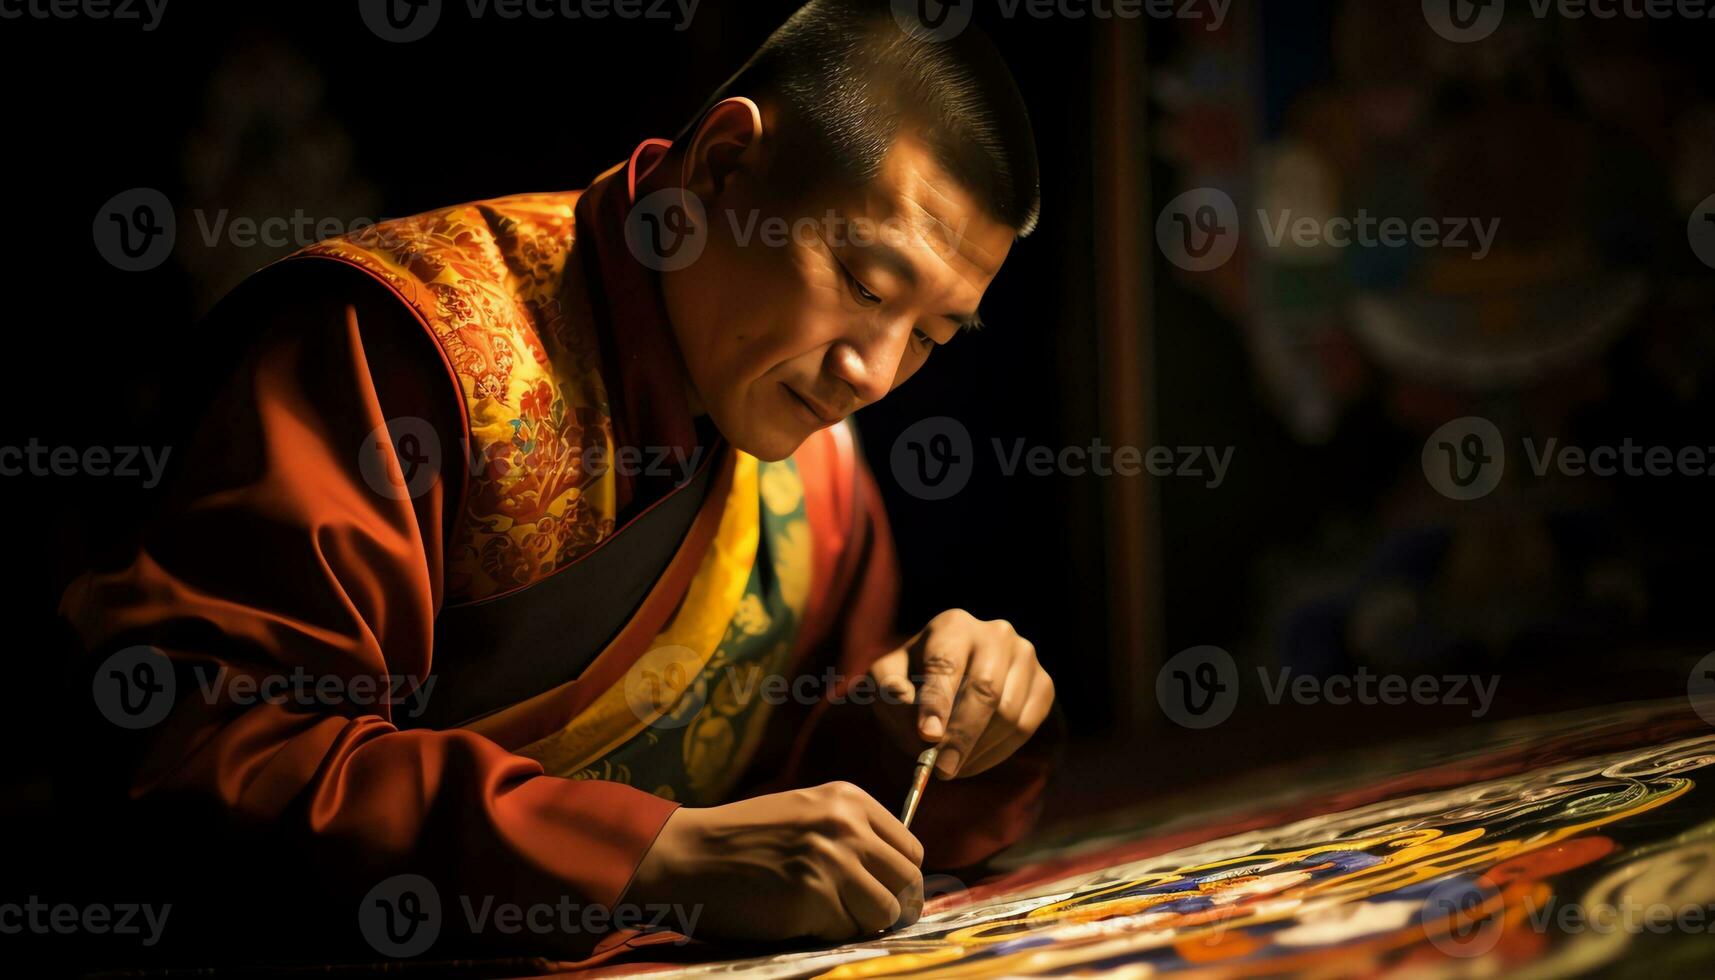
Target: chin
{"x":767,"y":442}
{"x":773,"y":448}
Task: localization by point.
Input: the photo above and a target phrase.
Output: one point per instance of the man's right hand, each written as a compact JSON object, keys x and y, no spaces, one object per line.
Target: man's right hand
{"x":827,"y":862}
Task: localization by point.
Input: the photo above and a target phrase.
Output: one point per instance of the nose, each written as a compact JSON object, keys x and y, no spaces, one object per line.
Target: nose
{"x":869,"y":363}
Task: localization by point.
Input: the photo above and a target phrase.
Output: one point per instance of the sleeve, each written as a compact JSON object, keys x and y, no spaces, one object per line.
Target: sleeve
{"x":287,"y":554}
{"x":961,"y":822}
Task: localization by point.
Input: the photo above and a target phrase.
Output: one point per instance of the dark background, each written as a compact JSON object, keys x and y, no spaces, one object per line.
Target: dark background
{"x":1326,"y":550}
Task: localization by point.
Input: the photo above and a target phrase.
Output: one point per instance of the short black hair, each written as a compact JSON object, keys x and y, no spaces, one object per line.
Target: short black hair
{"x":846,"y":76}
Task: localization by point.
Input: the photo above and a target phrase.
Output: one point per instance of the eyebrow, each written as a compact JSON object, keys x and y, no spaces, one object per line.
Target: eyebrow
{"x":901,"y":266}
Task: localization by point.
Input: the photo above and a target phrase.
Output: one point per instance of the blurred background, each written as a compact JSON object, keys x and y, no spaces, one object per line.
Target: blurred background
{"x":1321,"y":374}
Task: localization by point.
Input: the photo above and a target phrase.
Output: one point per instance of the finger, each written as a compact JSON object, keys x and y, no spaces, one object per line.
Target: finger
{"x":895,"y":835}
{"x":892,"y":673}
{"x":944,"y":653}
{"x":984,"y":676}
{"x":1036,"y":708}
{"x":1015,"y":692}
{"x":911,"y":903}
{"x":870,"y":905}
{"x":894,"y":871}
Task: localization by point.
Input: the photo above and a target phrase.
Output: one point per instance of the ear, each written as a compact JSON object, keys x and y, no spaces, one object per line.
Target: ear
{"x":727,"y":140}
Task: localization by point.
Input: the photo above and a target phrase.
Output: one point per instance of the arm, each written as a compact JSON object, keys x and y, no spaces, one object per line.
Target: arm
{"x":277,"y":555}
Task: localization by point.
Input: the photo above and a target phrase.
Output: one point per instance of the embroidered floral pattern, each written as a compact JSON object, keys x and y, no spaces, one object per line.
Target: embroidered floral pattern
{"x":487,"y":280}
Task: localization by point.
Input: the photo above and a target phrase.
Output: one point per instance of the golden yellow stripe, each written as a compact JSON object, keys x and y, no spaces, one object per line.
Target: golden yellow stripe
{"x":680,"y":652}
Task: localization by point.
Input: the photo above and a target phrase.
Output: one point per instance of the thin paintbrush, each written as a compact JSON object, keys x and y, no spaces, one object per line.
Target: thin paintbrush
{"x":919,"y":780}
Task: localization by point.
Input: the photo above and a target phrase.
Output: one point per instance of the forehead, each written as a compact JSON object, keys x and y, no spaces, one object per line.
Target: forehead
{"x":922,"y":210}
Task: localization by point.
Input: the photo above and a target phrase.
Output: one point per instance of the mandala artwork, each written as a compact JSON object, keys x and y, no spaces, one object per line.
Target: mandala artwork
{"x":1553,"y":848}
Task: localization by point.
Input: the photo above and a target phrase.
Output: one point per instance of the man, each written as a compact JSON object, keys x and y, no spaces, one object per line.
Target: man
{"x":573,"y":468}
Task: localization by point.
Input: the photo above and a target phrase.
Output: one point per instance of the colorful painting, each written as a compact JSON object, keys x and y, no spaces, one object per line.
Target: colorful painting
{"x":1550,"y":849}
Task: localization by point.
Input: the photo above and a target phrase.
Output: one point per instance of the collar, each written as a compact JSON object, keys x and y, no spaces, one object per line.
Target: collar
{"x":641,"y":361}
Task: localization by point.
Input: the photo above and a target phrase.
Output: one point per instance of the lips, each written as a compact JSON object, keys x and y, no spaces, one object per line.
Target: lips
{"x":822,"y":414}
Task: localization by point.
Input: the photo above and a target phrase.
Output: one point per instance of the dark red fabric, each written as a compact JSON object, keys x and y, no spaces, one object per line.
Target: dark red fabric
{"x":274,"y":554}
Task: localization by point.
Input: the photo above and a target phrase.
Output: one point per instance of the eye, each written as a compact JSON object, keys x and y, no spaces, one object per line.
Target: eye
{"x":923,"y":340}
{"x":859,"y":290}
{"x":863,"y":294}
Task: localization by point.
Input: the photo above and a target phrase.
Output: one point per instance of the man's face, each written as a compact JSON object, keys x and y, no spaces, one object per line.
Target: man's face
{"x":794,"y":318}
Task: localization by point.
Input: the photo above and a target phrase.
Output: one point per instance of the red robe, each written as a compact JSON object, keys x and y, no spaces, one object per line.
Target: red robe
{"x":274,"y":554}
